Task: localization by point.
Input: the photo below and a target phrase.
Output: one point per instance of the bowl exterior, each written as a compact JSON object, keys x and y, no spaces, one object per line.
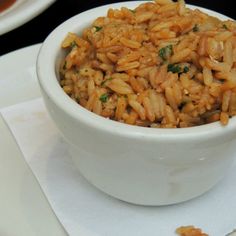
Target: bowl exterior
{"x":144,"y":171}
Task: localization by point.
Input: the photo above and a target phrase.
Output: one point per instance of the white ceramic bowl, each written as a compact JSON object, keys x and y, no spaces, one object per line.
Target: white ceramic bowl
{"x":139,"y":165}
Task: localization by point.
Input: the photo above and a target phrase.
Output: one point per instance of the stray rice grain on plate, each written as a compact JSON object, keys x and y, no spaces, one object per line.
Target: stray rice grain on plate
{"x":190,"y":231}
{"x":158,"y":65}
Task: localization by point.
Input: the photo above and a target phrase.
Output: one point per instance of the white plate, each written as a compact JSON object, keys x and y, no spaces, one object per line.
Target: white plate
{"x":23,"y":200}
{"x":24,"y":208}
{"x":21,"y":12}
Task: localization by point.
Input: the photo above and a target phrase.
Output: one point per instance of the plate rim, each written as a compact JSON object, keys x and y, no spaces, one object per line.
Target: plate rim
{"x":22,"y":69}
{"x":21,"y":209}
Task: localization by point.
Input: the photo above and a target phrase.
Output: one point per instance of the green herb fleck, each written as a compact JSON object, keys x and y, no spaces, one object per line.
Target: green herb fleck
{"x":133,"y":11}
{"x":97,"y":28}
{"x":104,"y":81}
{"x":186,"y":69}
{"x":225,"y":26}
{"x":73,"y":44}
{"x":64,"y":66}
{"x":104,"y":97}
{"x":173,"y":68}
{"x":195,"y":28}
{"x":182,"y":104}
{"x":165,"y":52}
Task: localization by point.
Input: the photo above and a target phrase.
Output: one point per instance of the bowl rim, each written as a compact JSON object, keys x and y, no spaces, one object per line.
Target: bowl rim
{"x":47,"y":78}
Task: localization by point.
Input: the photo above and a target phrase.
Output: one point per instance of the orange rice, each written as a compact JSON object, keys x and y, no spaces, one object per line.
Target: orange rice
{"x":189,"y":231}
{"x":159,"y":65}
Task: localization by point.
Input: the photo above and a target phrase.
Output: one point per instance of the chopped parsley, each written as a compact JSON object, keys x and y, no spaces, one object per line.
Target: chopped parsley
{"x":133,"y":11}
{"x":186,"y":69}
{"x":165,"y":52}
{"x":64,"y":66}
{"x":225,"y":26}
{"x":182,"y":104}
{"x":78,"y":99}
{"x":104,"y":81}
{"x":73,"y":44}
{"x":104,"y":97}
{"x":97,"y":28}
{"x":173,"y":68}
{"x":195,"y":28}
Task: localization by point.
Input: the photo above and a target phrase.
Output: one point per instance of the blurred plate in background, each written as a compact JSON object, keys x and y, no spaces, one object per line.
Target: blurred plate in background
{"x":21,"y":12}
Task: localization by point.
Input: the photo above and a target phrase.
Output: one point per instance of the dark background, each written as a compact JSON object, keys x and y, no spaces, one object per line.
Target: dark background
{"x":38,"y":28}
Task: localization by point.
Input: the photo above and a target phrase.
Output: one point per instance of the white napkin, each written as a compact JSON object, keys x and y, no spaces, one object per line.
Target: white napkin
{"x":85,"y":211}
